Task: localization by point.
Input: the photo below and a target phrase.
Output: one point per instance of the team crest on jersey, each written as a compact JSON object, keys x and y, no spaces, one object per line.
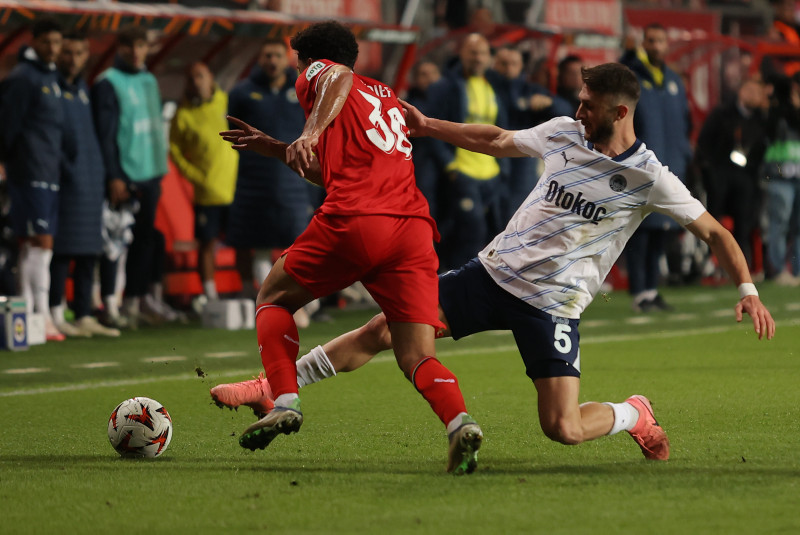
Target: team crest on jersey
{"x":618,"y":183}
{"x":314,"y":69}
{"x":291,"y":96}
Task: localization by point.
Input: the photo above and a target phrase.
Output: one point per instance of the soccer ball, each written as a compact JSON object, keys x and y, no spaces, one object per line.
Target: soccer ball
{"x":140,"y":427}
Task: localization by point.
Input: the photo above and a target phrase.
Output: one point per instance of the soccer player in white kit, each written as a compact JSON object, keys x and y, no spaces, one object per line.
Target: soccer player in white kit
{"x":538,"y":276}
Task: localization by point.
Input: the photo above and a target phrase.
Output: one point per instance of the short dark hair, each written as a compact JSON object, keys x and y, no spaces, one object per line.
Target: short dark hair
{"x":76,"y":35}
{"x":612,"y":79}
{"x":274,"y":41}
{"x":129,"y":34}
{"x":572,"y":58}
{"x":45,"y":25}
{"x":654,"y":26}
{"x":326,"y":40}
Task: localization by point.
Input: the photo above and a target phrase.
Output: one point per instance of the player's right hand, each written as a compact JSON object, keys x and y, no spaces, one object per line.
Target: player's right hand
{"x":300,"y":153}
{"x":763,"y":323}
{"x":415,"y":119}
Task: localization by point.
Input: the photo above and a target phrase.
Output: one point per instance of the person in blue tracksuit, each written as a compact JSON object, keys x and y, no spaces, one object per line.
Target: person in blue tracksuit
{"x":663,"y":123}
{"x":126,"y":103}
{"x":80,"y":212}
{"x":30,"y":150}
{"x":270,"y":206}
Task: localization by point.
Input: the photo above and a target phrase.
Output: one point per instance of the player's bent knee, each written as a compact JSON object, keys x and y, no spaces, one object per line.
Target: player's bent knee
{"x":563,"y":431}
{"x":377,"y":332}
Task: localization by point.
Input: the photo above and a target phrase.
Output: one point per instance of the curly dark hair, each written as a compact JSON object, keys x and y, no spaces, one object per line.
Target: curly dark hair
{"x":612,"y":79}
{"x":326,"y":40}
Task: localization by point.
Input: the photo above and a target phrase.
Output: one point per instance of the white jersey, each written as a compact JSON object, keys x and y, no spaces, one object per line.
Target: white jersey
{"x":561,"y":243}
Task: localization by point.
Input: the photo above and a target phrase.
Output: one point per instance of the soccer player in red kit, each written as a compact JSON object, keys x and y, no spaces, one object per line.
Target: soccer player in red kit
{"x":373,"y":227}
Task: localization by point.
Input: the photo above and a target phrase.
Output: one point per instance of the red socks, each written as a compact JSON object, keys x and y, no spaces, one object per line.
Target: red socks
{"x":439,"y":387}
{"x":278,"y":344}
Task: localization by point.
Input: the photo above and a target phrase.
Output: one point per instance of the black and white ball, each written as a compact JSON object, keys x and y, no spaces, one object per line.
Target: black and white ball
{"x":140,"y":427}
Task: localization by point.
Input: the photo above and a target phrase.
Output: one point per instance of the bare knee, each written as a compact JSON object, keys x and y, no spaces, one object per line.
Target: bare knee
{"x":563,"y":430}
{"x":376,"y":335}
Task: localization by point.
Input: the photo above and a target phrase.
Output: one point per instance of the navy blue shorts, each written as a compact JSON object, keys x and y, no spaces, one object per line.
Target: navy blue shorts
{"x":34,"y":208}
{"x":473,"y":302}
{"x":210,"y":221}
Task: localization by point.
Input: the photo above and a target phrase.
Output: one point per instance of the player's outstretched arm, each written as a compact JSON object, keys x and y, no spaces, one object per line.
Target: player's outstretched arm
{"x":247,"y":137}
{"x":732,"y":260}
{"x":485,"y":138}
{"x":334,"y":87}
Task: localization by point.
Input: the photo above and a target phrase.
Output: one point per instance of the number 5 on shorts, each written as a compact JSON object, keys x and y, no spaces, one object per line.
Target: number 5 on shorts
{"x":562,"y":342}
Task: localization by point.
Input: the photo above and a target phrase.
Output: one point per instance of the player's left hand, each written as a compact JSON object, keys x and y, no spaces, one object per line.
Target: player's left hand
{"x":762,"y":319}
{"x":247,"y":137}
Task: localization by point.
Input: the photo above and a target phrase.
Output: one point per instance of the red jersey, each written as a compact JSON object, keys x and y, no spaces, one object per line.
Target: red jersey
{"x":364,"y":153}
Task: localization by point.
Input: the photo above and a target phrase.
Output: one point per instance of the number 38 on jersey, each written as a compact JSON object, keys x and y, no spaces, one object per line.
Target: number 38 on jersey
{"x":387,"y":137}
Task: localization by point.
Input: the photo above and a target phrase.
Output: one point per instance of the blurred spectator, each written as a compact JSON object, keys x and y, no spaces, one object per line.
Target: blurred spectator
{"x":270,"y":206}
{"x":569,"y":82}
{"x":127,"y":113}
{"x":527,"y":105}
{"x":726,"y":154}
{"x":662,"y":121}
{"x":207,"y":161}
{"x":82,"y":192}
{"x":32,"y":134}
{"x":782,"y":169}
{"x":430,"y":155}
{"x":474,"y":193}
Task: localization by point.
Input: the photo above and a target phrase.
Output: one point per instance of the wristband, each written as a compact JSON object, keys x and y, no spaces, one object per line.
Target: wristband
{"x":747,"y":288}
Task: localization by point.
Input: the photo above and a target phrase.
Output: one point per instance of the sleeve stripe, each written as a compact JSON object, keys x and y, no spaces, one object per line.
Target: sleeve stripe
{"x":319,"y":75}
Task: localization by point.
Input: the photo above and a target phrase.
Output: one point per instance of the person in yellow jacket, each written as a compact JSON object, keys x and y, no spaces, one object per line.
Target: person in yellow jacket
{"x":206,"y":161}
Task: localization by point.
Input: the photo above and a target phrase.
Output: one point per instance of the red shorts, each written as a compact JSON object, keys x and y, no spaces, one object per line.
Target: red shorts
{"x":392,"y":256}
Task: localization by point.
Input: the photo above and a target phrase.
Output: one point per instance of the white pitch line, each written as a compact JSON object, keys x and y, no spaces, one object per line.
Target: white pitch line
{"x":155,"y":360}
{"x":20,"y":371}
{"x":722,"y":313}
{"x":681,"y":317}
{"x":385,"y":358}
{"x":595,"y":323}
{"x":92,"y":365}
{"x":639,"y":320}
{"x":793,"y":307}
{"x":226,"y":354}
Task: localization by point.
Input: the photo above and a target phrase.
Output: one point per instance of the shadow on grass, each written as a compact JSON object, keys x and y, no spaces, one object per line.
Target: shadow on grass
{"x":320,"y":466}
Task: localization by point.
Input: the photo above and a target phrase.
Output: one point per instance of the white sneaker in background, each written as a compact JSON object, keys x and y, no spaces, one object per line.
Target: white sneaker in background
{"x":71,"y":330}
{"x":91,"y":327}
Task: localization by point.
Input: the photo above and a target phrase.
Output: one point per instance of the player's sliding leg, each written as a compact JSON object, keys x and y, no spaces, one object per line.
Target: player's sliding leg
{"x":278,"y":344}
{"x":413,"y":345}
{"x":342,"y":354}
{"x":564,"y":420}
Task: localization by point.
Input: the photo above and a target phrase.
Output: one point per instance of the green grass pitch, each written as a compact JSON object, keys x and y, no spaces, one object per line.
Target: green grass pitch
{"x":371,"y":455}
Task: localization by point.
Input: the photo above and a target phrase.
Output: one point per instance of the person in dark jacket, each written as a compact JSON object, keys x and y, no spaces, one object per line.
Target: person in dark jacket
{"x":569,"y":82}
{"x":663,"y":123}
{"x":270,"y":206}
{"x":726,"y":154}
{"x":127,"y":112}
{"x":430,"y":155}
{"x":528,"y":105}
{"x":30,"y":149}
{"x":474,"y":192}
{"x":82,"y":192}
